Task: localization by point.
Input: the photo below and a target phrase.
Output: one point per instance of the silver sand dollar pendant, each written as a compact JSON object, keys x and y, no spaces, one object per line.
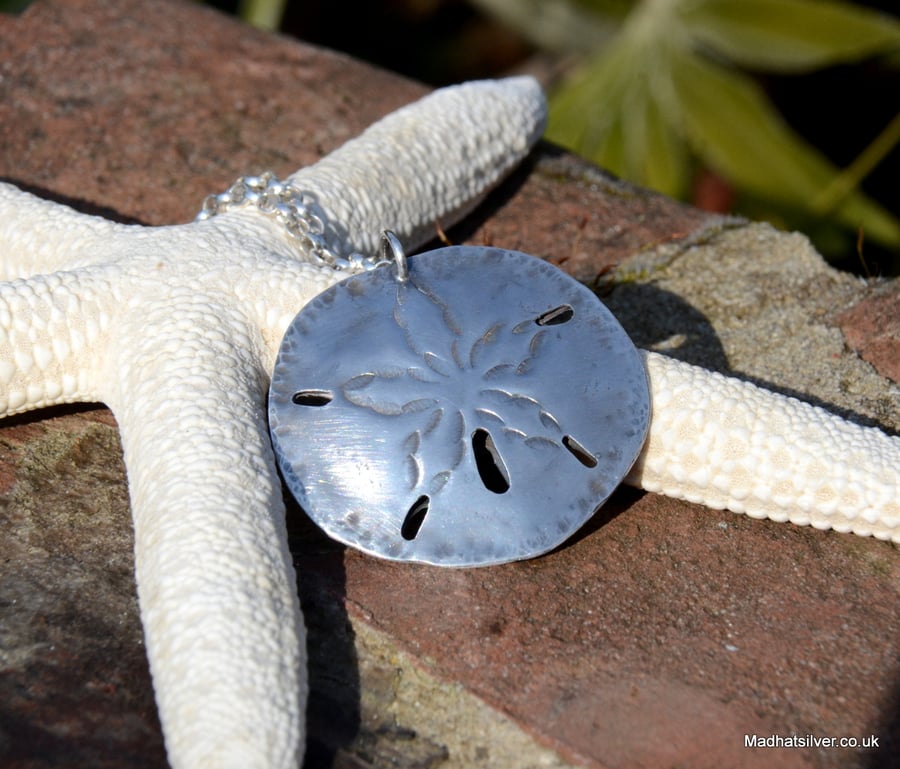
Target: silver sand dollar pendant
{"x":464,"y":407}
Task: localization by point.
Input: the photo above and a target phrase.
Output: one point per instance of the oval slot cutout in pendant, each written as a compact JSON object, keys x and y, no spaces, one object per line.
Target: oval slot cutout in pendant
{"x":556,"y":317}
{"x":415,"y":517}
{"x":312,"y":397}
{"x":579,"y":452}
{"x":491,"y":470}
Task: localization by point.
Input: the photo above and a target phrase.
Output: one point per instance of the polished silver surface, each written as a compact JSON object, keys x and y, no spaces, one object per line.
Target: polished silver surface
{"x":476,"y":410}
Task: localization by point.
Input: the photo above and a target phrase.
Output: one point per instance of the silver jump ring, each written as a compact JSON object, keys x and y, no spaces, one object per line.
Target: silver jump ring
{"x":392,"y":251}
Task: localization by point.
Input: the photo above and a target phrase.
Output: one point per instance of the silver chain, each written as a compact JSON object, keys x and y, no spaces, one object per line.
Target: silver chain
{"x":290,"y":206}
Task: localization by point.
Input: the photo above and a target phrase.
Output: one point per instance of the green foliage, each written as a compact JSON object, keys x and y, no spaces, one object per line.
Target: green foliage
{"x":13,"y":6}
{"x":667,"y":93}
{"x":263,"y":14}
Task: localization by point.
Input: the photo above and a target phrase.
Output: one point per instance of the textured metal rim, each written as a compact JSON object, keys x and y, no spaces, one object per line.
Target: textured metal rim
{"x":477,"y":411}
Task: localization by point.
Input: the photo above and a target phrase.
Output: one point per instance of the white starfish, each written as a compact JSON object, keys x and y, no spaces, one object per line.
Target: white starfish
{"x":176,"y":329}
{"x":728,"y":444}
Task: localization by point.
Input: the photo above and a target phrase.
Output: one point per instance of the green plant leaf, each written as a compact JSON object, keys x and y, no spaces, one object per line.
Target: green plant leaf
{"x":732,"y":127}
{"x":789,"y":35}
{"x":560,"y":25}
{"x":656,"y":155}
{"x":586,"y":110}
{"x":263,"y":14}
{"x":613,"y":113}
{"x":853,"y":174}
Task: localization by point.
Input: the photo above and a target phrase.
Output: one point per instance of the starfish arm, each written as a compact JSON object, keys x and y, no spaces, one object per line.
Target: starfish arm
{"x":728,"y":444}
{"x":216,"y":585}
{"x":269,"y":283}
{"x":51,"y":327}
{"x":39,"y":236}
{"x":426,"y":164}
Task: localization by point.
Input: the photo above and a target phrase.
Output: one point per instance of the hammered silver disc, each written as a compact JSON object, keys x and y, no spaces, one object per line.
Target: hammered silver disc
{"x":476,"y":412}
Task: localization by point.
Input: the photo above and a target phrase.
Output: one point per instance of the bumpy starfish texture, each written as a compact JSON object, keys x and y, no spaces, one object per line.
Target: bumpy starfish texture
{"x":728,"y":444}
{"x":177,"y":328}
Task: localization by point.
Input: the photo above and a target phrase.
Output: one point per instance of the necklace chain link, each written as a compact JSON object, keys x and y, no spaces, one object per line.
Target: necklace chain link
{"x":290,"y":206}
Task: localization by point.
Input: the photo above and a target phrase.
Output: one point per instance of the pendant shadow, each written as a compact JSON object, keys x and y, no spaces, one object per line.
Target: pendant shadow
{"x":333,"y":720}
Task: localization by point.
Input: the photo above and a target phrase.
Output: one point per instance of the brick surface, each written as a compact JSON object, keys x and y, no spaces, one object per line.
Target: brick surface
{"x":872,"y":327}
{"x":660,"y":636}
